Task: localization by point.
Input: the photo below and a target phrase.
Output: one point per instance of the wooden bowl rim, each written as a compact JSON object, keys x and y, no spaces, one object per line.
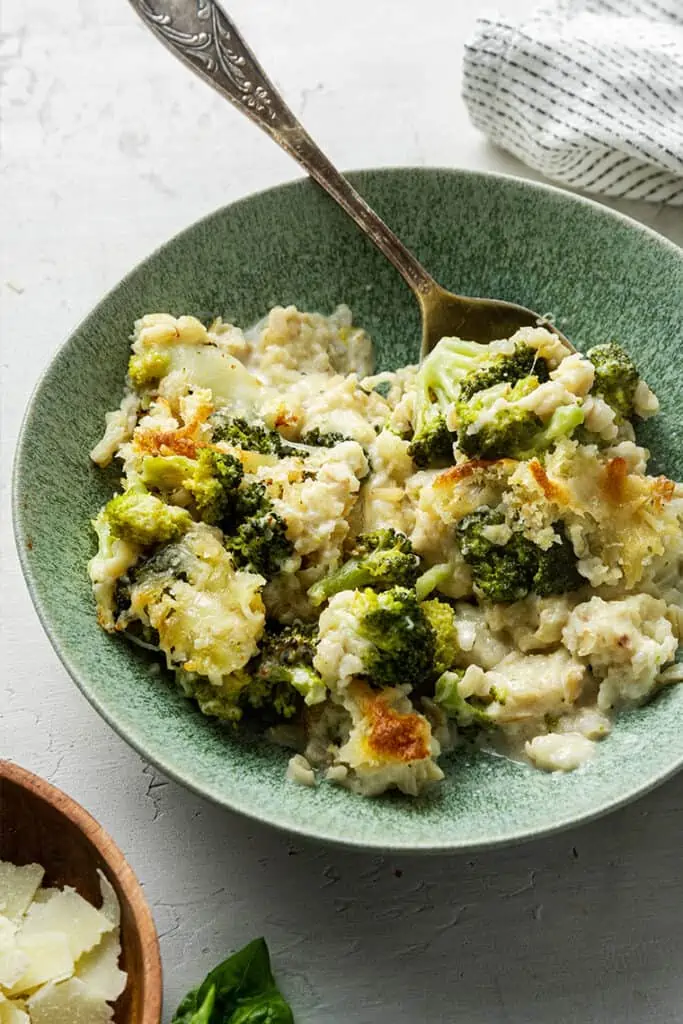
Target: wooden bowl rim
{"x":119,"y":868}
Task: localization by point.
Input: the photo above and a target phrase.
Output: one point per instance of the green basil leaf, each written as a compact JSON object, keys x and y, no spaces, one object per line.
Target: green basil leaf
{"x":241,"y":990}
{"x":267,"y":1009}
{"x":194,"y":1011}
{"x":244,"y":974}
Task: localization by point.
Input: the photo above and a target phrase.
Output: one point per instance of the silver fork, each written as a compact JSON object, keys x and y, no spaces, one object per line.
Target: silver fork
{"x":200,"y":33}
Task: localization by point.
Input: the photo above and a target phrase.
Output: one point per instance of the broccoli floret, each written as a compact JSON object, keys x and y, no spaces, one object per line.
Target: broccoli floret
{"x":284,"y":668}
{"x":504,"y":368}
{"x":256,"y":534}
{"x":250,"y":437}
{"x":400,"y":639}
{"x":317,"y":438}
{"x":500,"y":572}
{"x":436,"y":387}
{"x":457,"y":369}
{"x":467,"y":713}
{"x":211,"y":479}
{"x":141,"y":518}
{"x":224,"y":702}
{"x":510,"y":571}
{"x":383,"y":558}
{"x":242,"y":691}
{"x":147,"y":369}
{"x":556,"y":572}
{"x":277,"y":682}
{"x":171,"y":561}
{"x":441,"y":618}
{"x":214,"y":489}
{"x":272,"y":695}
{"x":616,"y":377}
{"x":512,"y":431}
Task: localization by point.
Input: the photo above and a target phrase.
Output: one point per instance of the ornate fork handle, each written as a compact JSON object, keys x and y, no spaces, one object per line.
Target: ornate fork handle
{"x":200,"y":33}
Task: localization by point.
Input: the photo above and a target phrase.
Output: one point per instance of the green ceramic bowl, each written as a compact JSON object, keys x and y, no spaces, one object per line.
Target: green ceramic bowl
{"x":602,"y":275}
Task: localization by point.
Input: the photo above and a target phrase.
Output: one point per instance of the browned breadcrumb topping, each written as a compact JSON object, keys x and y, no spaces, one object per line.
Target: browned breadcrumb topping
{"x":394,"y":735}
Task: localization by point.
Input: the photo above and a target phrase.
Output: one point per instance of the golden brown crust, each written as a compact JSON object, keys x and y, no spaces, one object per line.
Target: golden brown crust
{"x":552,"y":491}
{"x":615,"y":480}
{"x":465,"y":469}
{"x":663,"y":490}
{"x":167,"y":442}
{"x":392,"y":735}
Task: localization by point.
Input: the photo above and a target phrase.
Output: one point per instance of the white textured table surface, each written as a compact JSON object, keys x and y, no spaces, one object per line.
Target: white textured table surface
{"x":109,"y":147}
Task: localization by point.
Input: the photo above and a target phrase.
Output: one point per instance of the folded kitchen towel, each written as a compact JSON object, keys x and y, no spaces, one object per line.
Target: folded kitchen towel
{"x":588,"y":92}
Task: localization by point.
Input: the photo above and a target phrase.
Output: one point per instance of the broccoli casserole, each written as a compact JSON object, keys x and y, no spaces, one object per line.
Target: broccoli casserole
{"x":373,"y":569}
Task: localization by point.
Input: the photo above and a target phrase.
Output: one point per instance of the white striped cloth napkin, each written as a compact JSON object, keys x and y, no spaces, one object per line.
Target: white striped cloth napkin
{"x":588,"y":92}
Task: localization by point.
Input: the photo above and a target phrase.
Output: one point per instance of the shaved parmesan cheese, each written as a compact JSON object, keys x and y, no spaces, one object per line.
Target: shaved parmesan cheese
{"x":8,"y":929}
{"x":68,"y":1003}
{"x":43,"y":895}
{"x":59,"y":955}
{"x":99,"y":969}
{"x":48,"y":957}
{"x":110,"y":905}
{"x":67,"y":912}
{"x":12,"y":1012}
{"x":18,"y":886}
{"x":13,"y":963}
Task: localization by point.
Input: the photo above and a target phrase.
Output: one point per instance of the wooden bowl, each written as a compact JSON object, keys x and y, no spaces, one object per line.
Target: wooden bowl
{"x":40,"y":824}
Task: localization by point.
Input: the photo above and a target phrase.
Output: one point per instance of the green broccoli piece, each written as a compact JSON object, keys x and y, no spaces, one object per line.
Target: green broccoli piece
{"x":468,"y":713}
{"x":256,"y":536}
{"x":172,"y":561}
{"x":142,"y":518}
{"x":383,"y":558}
{"x":317,"y":438}
{"x":241,"y":692}
{"x":278,"y":681}
{"x":432,"y":578}
{"x":278,"y":698}
{"x":436,"y":388}
{"x":457,"y":369}
{"x":556,"y":572}
{"x":441,"y":618}
{"x":504,"y":368}
{"x":500,"y":572}
{"x":250,"y":437}
{"x":510,"y":571}
{"x":147,"y":369}
{"x":285,"y":664}
{"x":400,"y":639}
{"x":512,"y":432}
{"x":224,"y":702}
{"x":616,"y":377}
{"x":212,"y":479}
{"x":563,"y":422}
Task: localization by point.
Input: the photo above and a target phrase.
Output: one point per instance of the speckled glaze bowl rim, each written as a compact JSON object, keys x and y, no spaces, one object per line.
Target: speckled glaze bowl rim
{"x":307,"y":830}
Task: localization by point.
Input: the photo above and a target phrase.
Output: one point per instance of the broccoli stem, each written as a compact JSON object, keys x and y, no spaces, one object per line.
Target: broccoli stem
{"x":432,"y":579}
{"x":352,"y":575}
